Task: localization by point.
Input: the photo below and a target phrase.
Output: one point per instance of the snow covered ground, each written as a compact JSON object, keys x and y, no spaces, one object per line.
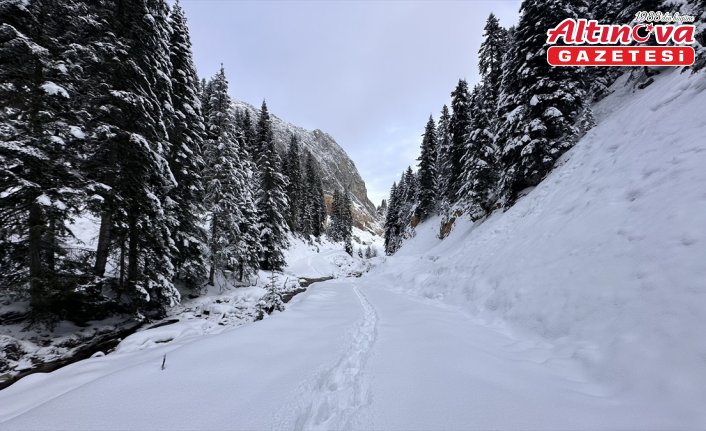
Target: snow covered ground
{"x":346,"y":355}
{"x":220,"y":307}
{"x":328,"y":259}
{"x":582,"y":307}
{"x":605,"y":258}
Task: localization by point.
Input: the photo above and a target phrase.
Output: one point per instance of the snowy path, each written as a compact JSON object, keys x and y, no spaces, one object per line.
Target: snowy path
{"x":340,"y":392}
{"x":345,"y":355}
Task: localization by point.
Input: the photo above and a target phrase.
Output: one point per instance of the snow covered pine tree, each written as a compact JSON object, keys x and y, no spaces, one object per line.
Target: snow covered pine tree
{"x":41,"y":141}
{"x":539,"y":104}
{"x":272,"y":199}
{"x":186,"y":136}
{"x":427,"y":172}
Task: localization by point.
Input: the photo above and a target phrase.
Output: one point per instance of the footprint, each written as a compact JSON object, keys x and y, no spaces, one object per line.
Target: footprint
{"x":337,"y":398}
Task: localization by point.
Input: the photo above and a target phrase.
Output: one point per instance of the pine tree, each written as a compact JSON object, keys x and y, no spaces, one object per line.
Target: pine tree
{"x":443,"y":160}
{"x":205,"y":97}
{"x":186,"y":136}
{"x":392,"y":222}
{"x":238,"y":119}
{"x":248,"y":131}
{"x":427,"y":172}
{"x":382,"y":210}
{"x":42,"y":126}
{"x":490,"y":57}
{"x":459,"y":129}
{"x":411,"y":188}
{"x":128,"y":153}
{"x":313,"y":207}
{"x":292,"y":170}
{"x":347,"y":225}
{"x":263,"y":133}
{"x":226,"y":183}
{"x":539,"y":103}
{"x":334,"y":231}
{"x":272,"y":200}
{"x":402,"y":206}
{"x":342,"y":220}
{"x":249,"y":248}
{"x":480,"y":164}
{"x":480,"y":161}
{"x":601,"y":78}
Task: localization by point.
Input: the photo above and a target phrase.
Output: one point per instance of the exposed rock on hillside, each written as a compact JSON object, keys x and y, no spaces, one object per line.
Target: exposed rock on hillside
{"x":338,"y":170}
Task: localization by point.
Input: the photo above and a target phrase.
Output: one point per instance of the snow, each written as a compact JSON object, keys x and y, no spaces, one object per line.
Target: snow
{"x":54,"y":89}
{"x":44,"y":200}
{"x":329,"y":259}
{"x":345,"y":355}
{"x":552,"y":112}
{"x":58,"y":140}
{"x":603,"y":259}
{"x":238,"y":393}
{"x":580,"y":307}
{"x":84,"y":229}
{"x":77,"y":132}
{"x":22,"y":348}
{"x":225,"y":305}
{"x":209,"y":314}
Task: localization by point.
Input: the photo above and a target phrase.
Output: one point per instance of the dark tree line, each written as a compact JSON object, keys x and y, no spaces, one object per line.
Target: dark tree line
{"x":341,"y":226}
{"x":103,"y":115}
{"x":505,"y":134}
{"x":307,"y":212}
{"x":402,"y":207}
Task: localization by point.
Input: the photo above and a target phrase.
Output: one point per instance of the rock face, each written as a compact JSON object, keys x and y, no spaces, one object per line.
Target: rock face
{"x":337,"y":169}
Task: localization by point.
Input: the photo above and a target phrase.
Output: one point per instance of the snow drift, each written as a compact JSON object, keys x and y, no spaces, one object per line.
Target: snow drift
{"x":605,"y":258}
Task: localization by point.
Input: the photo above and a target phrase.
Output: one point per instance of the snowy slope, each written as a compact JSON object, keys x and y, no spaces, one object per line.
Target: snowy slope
{"x":329,"y":259}
{"x":325,"y":258}
{"x":605,"y":258}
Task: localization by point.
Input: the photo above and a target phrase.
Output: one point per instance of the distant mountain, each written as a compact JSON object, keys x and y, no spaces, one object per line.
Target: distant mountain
{"x":337,"y":168}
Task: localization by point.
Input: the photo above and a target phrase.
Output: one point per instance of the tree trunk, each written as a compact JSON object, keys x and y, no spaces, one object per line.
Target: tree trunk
{"x":121,"y":288}
{"x":36,"y":228}
{"x":103,"y":249}
{"x":132,"y":253}
{"x":51,"y":247}
{"x":214,"y":231}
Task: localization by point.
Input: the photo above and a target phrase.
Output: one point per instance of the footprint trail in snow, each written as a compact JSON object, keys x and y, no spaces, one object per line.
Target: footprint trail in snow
{"x":340,"y":392}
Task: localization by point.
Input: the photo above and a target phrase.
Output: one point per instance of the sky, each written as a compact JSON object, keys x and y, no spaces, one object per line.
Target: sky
{"x":369,"y":73}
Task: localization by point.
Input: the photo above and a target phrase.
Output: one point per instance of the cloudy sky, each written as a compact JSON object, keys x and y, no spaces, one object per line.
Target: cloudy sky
{"x":367,"y":72}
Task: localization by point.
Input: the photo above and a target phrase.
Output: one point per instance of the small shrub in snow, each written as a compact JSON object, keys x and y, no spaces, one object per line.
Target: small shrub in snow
{"x":271,"y":301}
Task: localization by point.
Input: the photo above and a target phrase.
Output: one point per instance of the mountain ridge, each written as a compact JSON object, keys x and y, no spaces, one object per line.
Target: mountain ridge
{"x":337,"y":168}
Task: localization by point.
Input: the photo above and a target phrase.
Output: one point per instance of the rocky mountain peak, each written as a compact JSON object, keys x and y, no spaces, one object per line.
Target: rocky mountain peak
{"x":337,"y":169}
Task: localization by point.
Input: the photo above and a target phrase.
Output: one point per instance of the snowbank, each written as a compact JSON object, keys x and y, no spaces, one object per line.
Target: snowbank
{"x":324,"y":258}
{"x":604,"y":258}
